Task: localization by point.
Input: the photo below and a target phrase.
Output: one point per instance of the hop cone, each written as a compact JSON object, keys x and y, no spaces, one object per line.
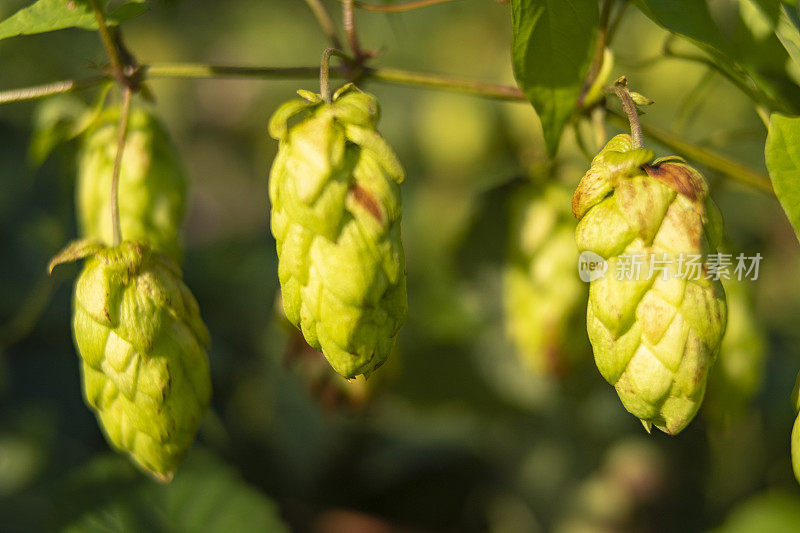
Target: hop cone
{"x":142,"y":345}
{"x":796,"y":430}
{"x":336,"y":220}
{"x":542,"y":292}
{"x":654,"y":336}
{"x":739,"y":372}
{"x":152,"y":185}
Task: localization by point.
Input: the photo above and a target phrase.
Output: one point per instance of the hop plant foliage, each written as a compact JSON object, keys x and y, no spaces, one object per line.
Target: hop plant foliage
{"x":152,"y":183}
{"x":542,"y":292}
{"x":655,"y":336}
{"x":739,"y":371}
{"x":334,"y":189}
{"x":142,"y":346}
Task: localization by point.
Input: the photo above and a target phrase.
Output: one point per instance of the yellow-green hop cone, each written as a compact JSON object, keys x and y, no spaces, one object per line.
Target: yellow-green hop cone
{"x":142,"y":346}
{"x":152,"y":183}
{"x":739,"y":371}
{"x":543,"y":295}
{"x":336,"y":219}
{"x":655,"y":332}
{"x":796,"y":430}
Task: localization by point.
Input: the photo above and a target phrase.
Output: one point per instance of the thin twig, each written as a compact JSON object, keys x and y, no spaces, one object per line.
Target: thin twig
{"x":712,"y":160}
{"x":435,"y":81}
{"x":200,"y":70}
{"x":121,"y":136}
{"x":31,"y":310}
{"x":740,"y":79}
{"x":324,"y":71}
{"x":599,"y":50}
{"x":349,"y":21}
{"x":689,"y":106}
{"x":108,"y":43}
{"x":397,"y":8}
{"x":325,"y":21}
{"x":388,"y":75}
{"x":614,"y":26}
{"x":581,"y":141}
{"x":621,"y":88}
{"x":49,"y":89}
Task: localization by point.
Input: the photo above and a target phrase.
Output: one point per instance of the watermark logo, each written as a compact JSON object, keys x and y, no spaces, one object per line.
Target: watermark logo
{"x":591,"y":266}
{"x":692,"y":267}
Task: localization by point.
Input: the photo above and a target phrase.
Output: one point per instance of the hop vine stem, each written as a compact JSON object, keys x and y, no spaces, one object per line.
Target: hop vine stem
{"x":398,"y":8}
{"x":325,"y":22}
{"x":324,"y":72}
{"x":349,"y":22}
{"x":599,"y":49}
{"x":710,"y":159}
{"x":108,"y":43}
{"x":121,"y":136}
{"x":629,"y":107}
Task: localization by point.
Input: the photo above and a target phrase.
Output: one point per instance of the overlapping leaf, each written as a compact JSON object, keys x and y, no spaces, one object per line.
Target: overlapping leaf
{"x":49,"y":15}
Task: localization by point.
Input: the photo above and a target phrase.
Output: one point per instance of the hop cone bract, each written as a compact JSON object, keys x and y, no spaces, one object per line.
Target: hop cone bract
{"x":142,"y":346}
{"x":152,"y":184}
{"x":655,"y":335}
{"x":336,"y":220}
{"x":542,"y":292}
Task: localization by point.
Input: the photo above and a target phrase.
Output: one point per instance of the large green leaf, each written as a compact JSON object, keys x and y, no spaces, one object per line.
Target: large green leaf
{"x":553,"y":45}
{"x":50,"y":15}
{"x":788,"y":31}
{"x":770,"y":8}
{"x":775,"y":511}
{"x":205,"y":496}
{"x":692,"y":20}
{"x":783,"y":162}
{"x":687,"y":18}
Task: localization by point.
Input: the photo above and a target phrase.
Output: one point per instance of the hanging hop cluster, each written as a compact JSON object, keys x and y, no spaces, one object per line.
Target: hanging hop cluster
{"x":543,"y":295}
{"x":142,"y":346}
{"x":655,"y":333}
{"x":152,"y":183}
{"x":334,"y":190}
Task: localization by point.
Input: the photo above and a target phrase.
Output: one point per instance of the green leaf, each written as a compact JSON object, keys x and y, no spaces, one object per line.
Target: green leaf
{"x":692,"y":20}
{"x":783,"y":162}
{"x":50,"y":15}
{"x":61,"y":119}
{"x":206,"y":495}
{"x":760,"y":16}
{"x":687,"y":18}
{"x":553,"y":46}
{"x":770,"y":9}
{"x":775,"y":511}
{"x":788,"y":31}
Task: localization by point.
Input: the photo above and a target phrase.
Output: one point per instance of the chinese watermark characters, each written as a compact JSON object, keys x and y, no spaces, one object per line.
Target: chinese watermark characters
{"x":690,"y":267}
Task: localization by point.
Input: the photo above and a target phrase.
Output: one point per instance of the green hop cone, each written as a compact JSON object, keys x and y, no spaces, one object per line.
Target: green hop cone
{"x":655,"y":335}
{"x":543,"y":295}
{"x":739,"y":371}
{"x":334,"y":189}
{"x":142,"y":346}
{"x":796,"y":430}
{"x":152,"y":183}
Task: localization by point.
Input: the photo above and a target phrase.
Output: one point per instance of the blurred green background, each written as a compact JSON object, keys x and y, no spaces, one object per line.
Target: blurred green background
{"x":454,"y":434}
